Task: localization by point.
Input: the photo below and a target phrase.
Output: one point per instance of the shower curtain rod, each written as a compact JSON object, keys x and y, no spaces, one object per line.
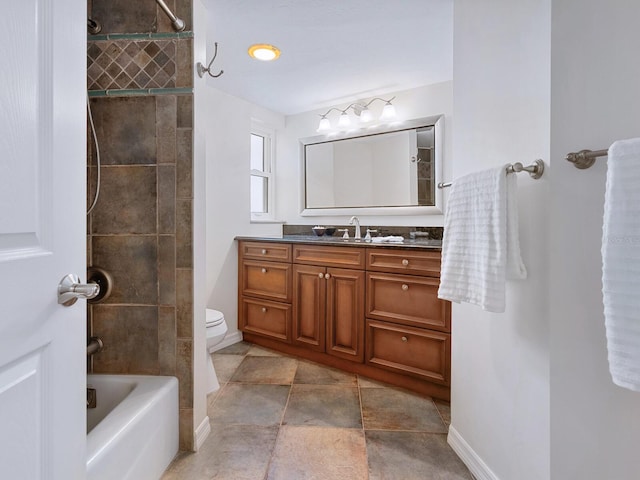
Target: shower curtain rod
{"x":177,"y":23}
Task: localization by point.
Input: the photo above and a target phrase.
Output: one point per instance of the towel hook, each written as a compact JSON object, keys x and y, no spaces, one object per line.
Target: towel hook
{"x":201,"y":69}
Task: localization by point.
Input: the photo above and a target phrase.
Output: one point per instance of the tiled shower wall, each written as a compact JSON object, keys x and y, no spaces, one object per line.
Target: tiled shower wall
{"x":141,"y":228}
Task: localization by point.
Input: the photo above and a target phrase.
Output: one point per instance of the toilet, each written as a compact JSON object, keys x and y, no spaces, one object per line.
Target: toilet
{"x":216,"y":330}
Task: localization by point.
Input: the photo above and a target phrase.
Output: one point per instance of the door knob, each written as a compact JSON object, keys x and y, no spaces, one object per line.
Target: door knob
{"x":70,"y":290}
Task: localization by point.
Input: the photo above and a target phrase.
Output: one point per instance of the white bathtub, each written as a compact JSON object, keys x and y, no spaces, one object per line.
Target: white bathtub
{"x":133,"y":431}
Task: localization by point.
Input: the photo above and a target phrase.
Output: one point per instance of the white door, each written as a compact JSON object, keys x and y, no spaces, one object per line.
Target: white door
{"x":42,"y":238}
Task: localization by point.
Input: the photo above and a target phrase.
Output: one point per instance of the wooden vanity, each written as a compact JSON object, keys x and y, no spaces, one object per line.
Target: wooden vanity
{"x":363,"y":308}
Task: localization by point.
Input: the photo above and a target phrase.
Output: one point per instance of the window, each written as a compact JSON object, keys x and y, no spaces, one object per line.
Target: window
{"x":261,"y":175}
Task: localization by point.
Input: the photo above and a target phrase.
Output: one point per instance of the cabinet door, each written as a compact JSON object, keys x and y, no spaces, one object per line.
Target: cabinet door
{"x":309,"y":299}
{"x":411,"y":351}
{"x":262,"y":317}
{"x":407,"y":299}
{"x":345,"y":313}
{"x":269,"y":280}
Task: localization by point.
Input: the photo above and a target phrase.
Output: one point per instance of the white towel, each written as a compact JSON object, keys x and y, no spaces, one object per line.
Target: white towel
{"x":388,"y":239}
{"x":480,"y":247}
{"x":621,"y":262}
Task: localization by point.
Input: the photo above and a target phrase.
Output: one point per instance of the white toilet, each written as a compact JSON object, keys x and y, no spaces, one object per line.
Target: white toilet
{"x":216,"y":330}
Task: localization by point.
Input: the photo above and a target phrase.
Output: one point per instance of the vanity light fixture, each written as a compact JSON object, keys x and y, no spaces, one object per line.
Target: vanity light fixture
{"x":344,"y":120}
{"x":361,"y":110}
{"x":388,"y":112}
{"x":264,"y":52}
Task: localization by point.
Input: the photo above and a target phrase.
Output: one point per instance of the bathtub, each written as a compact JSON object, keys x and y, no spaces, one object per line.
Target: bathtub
{"x":133,"y":431}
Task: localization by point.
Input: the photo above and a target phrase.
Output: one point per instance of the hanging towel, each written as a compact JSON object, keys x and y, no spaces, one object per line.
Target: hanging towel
{"x":621,"y":262}
{"x":480,"y":247}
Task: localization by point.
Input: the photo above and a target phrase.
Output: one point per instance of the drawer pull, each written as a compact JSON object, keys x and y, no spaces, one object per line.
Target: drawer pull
{"x":405,"y":339}
{"x":321,"y":275}
{"x":327,"y":276}
{"x":405,"y":262}
{"x":264,"y":309}
{"x":264,"y":251}
{"x":405,"y":287}
{"x":264,"y":270}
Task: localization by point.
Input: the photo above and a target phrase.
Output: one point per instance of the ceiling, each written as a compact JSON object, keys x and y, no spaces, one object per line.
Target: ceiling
{"x":333,"y":51}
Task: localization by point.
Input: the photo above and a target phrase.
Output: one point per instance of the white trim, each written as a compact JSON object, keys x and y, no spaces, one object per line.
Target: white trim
{"x":235,"y":337}
{"x":281,"y":222}
{"x":201,"y":433}
{"x":474,"y":463}
{"x":269,"y":135}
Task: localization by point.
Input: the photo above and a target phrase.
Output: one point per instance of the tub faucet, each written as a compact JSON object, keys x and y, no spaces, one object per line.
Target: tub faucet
{"x":357,"y":235}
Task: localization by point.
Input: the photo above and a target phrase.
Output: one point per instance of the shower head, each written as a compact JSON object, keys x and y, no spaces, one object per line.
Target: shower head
{"x":177,"y":23}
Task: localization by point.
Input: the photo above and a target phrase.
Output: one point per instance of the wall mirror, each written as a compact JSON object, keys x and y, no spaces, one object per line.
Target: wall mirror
{"x":390,"y":170}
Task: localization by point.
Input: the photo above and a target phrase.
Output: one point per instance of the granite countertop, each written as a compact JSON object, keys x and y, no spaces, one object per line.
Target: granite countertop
{"x":337,"y":240}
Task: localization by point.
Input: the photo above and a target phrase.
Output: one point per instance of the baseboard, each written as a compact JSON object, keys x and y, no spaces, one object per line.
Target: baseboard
{"x":474,"y":463}
{"x":201,"y":433}
{"x":230,"y":339}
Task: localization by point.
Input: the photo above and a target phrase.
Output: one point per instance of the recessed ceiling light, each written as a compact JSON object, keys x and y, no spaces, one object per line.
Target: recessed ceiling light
{"x":264,"y":52}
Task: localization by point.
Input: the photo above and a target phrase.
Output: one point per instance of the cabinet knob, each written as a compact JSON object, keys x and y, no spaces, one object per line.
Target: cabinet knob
{"x":264,"y":309}
{"x":327,"y":276}
{"x":264,"y":251}
{"x":405,"y":262}
{"x":264,"y":270}
{"x":405,"y":339}
{"x":321,"y":275}
{"x":405,"y":287}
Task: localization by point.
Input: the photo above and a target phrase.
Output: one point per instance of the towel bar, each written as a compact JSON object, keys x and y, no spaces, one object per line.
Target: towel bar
{"x":535,"y":170}
{"x":585,"y":158}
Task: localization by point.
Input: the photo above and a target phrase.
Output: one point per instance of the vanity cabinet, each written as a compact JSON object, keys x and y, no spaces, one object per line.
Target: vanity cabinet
{"x":328,"y":306}
{"x":264,"y":284}
{"x":408,"y":326}
{"x":328,"y":310}
{"x":371,"y":310}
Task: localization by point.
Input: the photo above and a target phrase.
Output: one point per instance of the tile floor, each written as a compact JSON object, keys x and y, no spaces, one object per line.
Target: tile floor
{"x":280,"y":418}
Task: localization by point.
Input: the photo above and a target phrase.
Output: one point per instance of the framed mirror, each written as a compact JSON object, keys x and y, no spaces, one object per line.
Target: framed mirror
{"x":390,"y":170}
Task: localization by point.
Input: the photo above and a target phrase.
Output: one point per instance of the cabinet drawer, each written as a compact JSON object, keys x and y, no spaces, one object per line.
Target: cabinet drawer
{"x":266,"y":279}
{"x":269,"y":319}
{"x":279,"y":252}
{"x":411,"y":262}
{"x":341,"y":257}
{"x":411,"y":351}
{"x":408,"y":300}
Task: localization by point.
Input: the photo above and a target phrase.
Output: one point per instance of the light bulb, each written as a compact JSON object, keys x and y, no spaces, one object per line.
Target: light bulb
{"x":388,"y":112}
{"x":324,"y":125}
{"x":344,"y":120}
{"x":365,"y":115}
{"x":264,"y":52}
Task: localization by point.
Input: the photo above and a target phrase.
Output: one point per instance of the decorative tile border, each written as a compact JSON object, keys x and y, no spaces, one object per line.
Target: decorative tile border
{"x":132,"y":64}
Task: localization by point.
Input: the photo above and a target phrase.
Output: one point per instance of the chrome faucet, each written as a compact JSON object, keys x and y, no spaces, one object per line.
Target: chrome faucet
{"x":357,"y":235}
